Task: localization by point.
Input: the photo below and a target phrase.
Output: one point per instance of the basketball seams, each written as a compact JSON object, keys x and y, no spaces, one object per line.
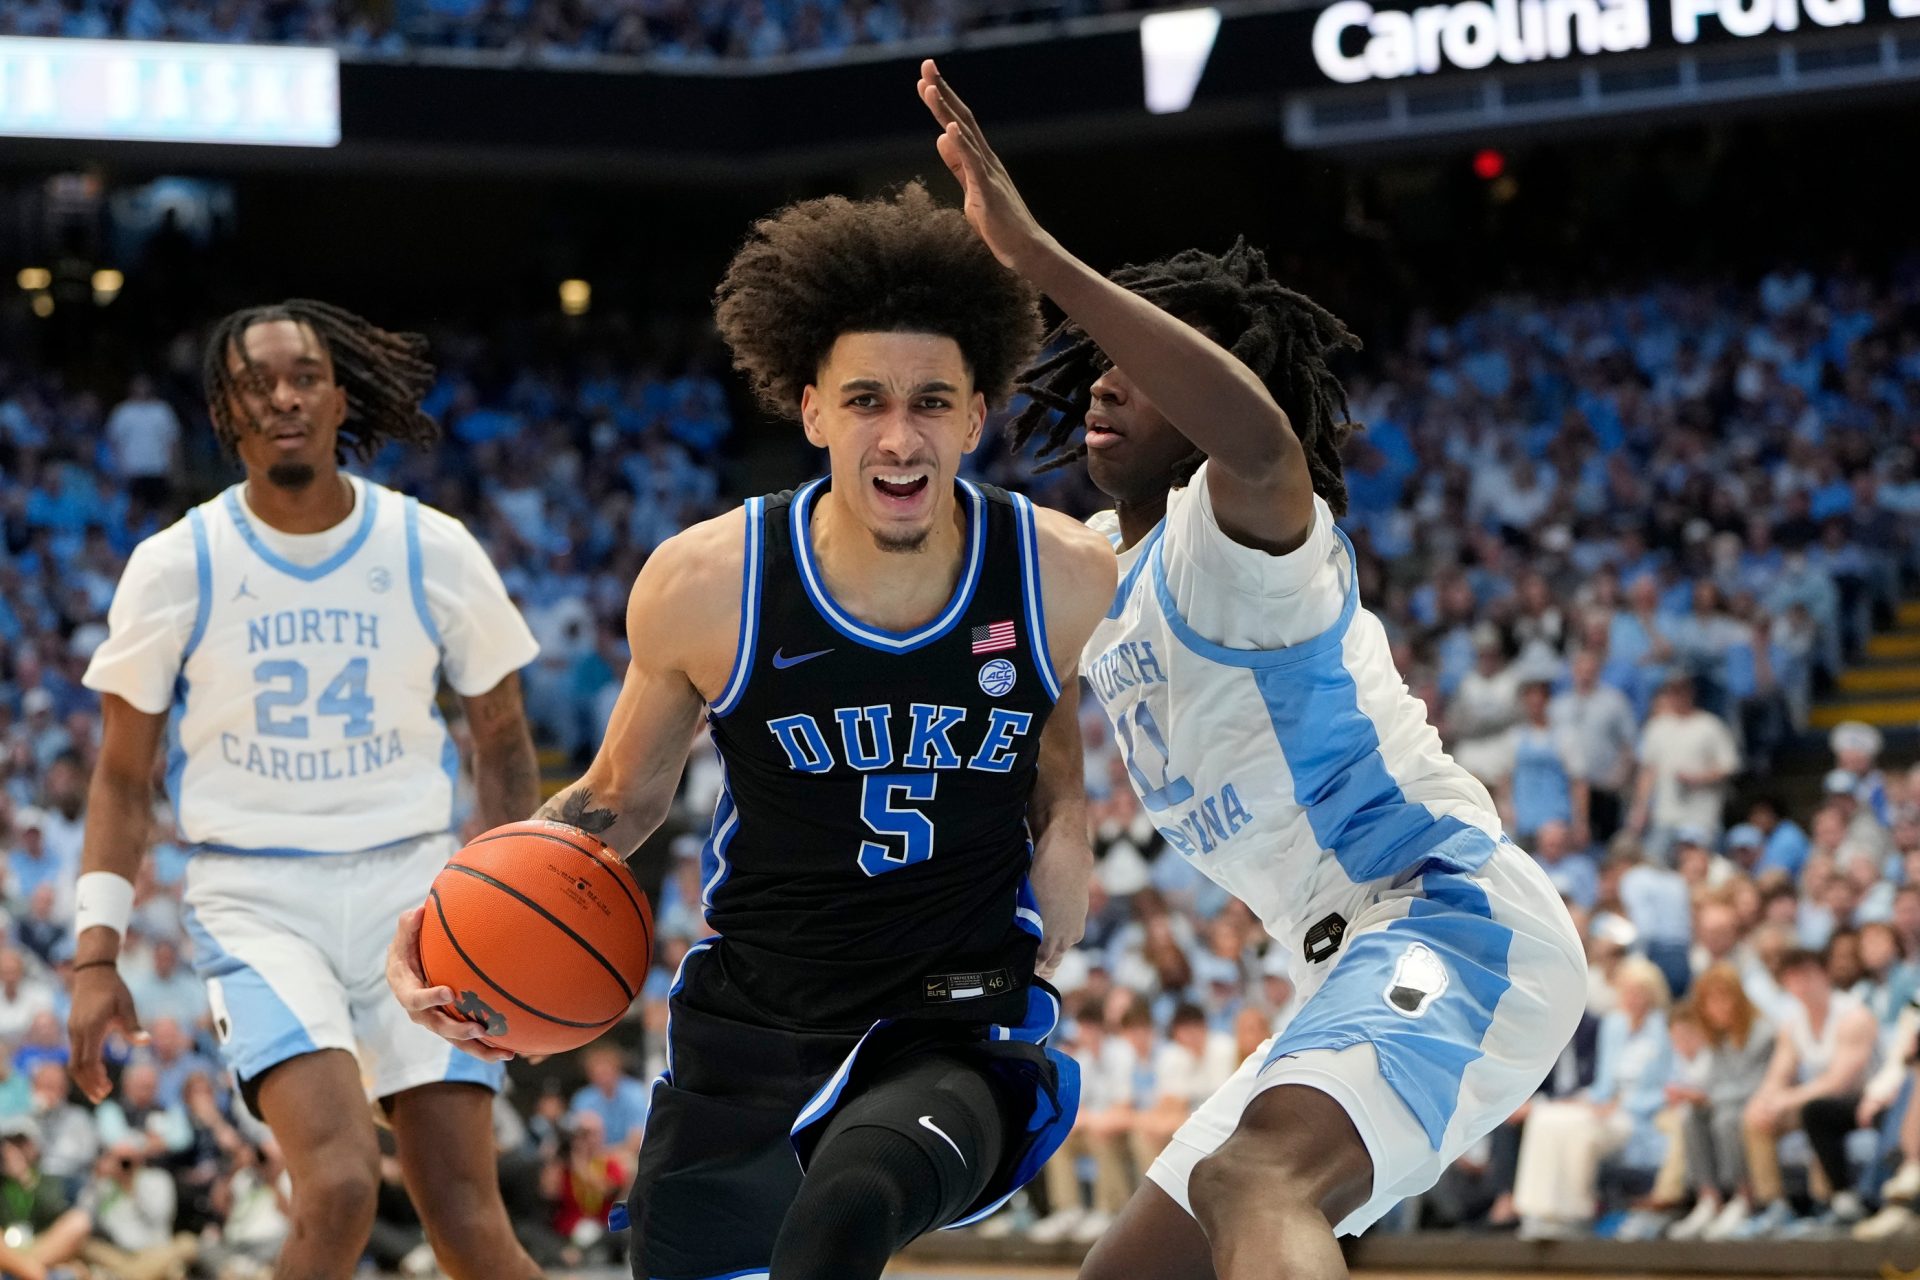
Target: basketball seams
{"x":620,"y":874}
{"x":549,"y":917}
{"x":446,"y":929}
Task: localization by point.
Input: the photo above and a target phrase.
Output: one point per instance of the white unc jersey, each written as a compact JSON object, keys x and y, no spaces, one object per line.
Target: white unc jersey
{"x":1288,"y":774}
{"x":303,"y":717}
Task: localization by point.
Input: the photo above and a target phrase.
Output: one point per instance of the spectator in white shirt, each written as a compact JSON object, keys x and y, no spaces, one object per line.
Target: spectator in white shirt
{"x":1186,"y":1072}
{"x":144,"y":433}
{"x":1600,"y":718}
{"x":1482,"y":708}
{"x":132,"y":1205}
{"x":21,"y":996}
{"x":1687,"y":757}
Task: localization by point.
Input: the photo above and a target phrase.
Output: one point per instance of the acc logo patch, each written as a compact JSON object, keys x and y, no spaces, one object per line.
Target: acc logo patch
{"x":378,"y":579}
{"x":997,"y":677}
{"x":1419,"y":978}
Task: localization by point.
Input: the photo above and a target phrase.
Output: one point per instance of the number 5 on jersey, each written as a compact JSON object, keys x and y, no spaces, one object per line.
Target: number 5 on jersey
{"x":909,"y":831}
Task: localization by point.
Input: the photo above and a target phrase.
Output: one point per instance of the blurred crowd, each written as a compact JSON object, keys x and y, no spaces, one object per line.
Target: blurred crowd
{"x":1621,"y":543}
{"x":550,"y":31}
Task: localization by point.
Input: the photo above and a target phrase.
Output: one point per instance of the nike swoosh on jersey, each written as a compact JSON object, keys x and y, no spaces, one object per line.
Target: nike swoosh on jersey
{"x":926,"y":1122}
{"x":781,"y":661}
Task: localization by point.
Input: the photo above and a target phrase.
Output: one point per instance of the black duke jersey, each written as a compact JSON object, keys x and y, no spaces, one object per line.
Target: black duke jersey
{"x":868,"y":855}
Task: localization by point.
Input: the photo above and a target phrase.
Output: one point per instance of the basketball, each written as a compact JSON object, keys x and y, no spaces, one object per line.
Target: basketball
{"x":542,"y":933}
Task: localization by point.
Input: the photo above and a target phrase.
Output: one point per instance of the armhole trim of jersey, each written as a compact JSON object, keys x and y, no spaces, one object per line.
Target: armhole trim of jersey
{"x":417,"y":573}
{"x":1227,"y":656}
{"x":203,"y":583}
{"x":1035,"y":597}
{"x":749,"y":612}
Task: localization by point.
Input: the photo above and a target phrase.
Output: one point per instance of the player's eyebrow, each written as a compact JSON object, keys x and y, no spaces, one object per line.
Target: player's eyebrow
{"x":874,"y":384}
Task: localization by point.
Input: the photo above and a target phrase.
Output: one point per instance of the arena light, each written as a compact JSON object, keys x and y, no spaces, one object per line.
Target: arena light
{"x":1174,"y":48}
{"x":43,"y":305}
{"x":107,"y":284}
{"x":149,"y":91}
{"x":575,"y":297}
{"x":31,"y":278}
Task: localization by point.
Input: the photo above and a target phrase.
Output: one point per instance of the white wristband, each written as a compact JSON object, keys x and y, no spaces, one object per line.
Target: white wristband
{"x":102,"y":898}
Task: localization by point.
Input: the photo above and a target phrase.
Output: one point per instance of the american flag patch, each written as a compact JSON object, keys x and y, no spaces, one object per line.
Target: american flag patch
{"x":992,"y":639}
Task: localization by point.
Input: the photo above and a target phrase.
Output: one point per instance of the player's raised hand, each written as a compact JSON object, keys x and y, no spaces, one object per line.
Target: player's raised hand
{"x":992,"y":203}
{"x":428,"y":1005}
{"x":102,"y":1005}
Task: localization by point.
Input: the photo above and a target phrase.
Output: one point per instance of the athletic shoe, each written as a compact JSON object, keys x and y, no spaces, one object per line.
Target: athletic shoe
{"x":1690,"y":1227}
{"x":1825,"y":1225}
{"x":1092,"y":1227}
{"x":1771,"y":1221}
{"x":1056,"y":1226}
{"x":1553,"y":1229}
{"x":1729,"y":1222}
{"x":1894,"y":1220}
{"x":1644,"y":1224}
{"x":1000,"y":1226}
{"x":420,"y":1262}
{"x":1904,"y":1186}
{"x":1847,"y":1209}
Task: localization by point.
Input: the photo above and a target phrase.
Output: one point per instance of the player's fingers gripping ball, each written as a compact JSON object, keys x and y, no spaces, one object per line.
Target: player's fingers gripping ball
{"x":541,"y":932}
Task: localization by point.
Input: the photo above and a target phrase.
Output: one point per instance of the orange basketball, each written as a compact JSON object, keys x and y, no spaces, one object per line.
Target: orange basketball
{"x":542,"y":933}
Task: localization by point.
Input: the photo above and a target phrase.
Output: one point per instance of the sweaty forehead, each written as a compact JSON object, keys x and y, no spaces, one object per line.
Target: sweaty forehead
{"x":276,"y":343}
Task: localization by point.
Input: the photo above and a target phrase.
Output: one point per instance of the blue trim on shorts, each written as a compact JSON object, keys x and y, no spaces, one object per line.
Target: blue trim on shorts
{"x":262,"y":1031}
{"x":293,"y":851}
{"x":1423,"y":1054}
{"x":464,"y":1068}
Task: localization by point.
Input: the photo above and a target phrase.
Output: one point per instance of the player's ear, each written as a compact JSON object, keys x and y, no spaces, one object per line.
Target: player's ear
{"x":976,"y":421}
{"x":810,"y":416}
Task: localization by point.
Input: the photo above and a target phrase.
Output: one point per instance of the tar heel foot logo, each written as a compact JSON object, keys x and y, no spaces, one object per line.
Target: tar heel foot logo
{"x":1419,"y":978}
{"x":471,"y":1007}
{"x":997,"y":677}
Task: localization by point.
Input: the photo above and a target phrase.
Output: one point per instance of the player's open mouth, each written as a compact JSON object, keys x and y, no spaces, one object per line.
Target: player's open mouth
{"x":901,"y":488}
{"x":1101,"y":434}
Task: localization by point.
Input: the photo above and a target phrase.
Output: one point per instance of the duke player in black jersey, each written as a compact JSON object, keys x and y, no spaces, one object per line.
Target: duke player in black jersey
{"x":885,"y":655}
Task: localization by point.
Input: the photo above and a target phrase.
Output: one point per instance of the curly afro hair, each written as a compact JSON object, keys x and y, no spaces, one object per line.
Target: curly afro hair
{"x":899,"y":264}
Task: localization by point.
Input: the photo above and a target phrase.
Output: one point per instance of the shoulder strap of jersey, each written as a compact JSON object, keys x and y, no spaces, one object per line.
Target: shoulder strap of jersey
{"x":1027,"y":538}
{"x":752,"y":579}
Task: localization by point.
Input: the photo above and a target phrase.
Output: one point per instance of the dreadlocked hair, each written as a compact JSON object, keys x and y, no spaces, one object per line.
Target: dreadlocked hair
{"x":1286,"y":338}
{"x":899,"y":264}
{"x":384,"y":374}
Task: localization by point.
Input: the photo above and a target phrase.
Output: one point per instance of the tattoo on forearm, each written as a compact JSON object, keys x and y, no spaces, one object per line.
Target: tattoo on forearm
{"x":575,"y":808}
{"x":514,"y":786}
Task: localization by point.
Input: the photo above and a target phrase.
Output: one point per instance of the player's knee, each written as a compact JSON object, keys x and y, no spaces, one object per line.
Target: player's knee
{"x":338,"y":1197}
{"x":1294,"y":1151}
